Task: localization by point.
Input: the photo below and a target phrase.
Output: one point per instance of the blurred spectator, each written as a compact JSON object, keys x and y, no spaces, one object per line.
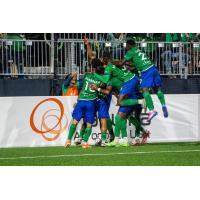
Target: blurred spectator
{"x":117,"y":40}
{"x":70,"y":87}
{"x":13,"y":53}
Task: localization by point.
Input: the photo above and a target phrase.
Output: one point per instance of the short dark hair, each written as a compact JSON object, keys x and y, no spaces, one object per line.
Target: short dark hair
{"x":131,"y":42}
{"x":96,"y":63}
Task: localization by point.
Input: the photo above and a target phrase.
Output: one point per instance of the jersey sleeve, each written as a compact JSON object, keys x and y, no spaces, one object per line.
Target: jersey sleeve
{"x":79,"y":84}
{"x":128,"y":56}
{"x":105,"y":78}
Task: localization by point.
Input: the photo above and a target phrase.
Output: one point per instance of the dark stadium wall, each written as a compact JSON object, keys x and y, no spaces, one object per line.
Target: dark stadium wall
{"x":43,"y":87}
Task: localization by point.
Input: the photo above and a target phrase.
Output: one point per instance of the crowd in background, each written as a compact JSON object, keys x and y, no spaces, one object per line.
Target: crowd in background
{"x":14,"y":57}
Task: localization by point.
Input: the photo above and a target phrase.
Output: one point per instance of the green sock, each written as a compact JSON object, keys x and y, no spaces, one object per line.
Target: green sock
{"x":136,"y":122}
{"x":117,"y":125}
{"x":109,"y":127}
{"x":123,"y":127}
{"x":137,"y":132}
{"x":129,"y":102}
{"x":103,"y":136}
{"x":81,"y":133}
{"x":87,"y":134}
{"x":72,"y":130}
{"x":148,"y":100}
{"x":161,"y":97}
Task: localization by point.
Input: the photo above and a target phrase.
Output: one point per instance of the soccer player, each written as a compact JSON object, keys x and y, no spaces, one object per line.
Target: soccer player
{"x":86,"y":106}
{"x":72,"y":87}
{"x":103,"y":104}
{"x":124,"y":112}
{"x":149,"y":75}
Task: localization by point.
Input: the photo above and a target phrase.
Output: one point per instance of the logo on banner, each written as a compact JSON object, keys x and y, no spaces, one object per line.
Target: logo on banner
{"x":50,"y":122}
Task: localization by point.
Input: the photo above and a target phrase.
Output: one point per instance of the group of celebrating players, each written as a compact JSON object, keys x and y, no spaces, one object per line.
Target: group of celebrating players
{"x":132,"y":81}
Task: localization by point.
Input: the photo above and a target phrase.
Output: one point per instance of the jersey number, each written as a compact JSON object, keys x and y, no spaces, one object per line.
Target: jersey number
{"x":87,"y":87}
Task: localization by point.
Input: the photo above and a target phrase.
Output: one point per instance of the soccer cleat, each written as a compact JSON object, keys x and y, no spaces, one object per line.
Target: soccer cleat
{"x":112,"y":144}
{"x":151,"y":115}
{"x":136,"y":141}
{"x":124,"y":144}
{"x":86,"y":146}
{"x":145,"y":136}
{"x":165,"y":112}
{"x":112,"y":137}
{"x":67,"y":144}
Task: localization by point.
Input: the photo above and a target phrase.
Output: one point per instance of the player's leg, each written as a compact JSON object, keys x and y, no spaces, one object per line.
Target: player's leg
{"x":89,"y":118}
{"x":158,"y":91}
{"x":72,"y":130}
{"x":139,"y":130}
{"x":147,"y":83}
{"x":110,"y":129}
{"x":103,"y":122}
{"x":76,"y":115}
{"x":103,"y":114}
{"x":117,"y":131}
{"x":81,"y":134}
{"x":123,"y":128}
{"x":86,"y":136}
{"x":120,"y":126}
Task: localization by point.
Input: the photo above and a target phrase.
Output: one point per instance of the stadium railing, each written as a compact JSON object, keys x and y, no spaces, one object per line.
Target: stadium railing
{"x":43,"y":59}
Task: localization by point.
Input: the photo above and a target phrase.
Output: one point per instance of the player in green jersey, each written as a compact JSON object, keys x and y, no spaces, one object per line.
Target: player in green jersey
{"x":86,"y":106}
{"x":103,"y":105}
{"x":150,"y":77}
{"x":124,"y":113}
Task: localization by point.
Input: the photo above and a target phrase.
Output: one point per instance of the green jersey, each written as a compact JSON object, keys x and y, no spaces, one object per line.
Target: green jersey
{"x":139,"y":59}
{"x":112,"y":71}
{"x":115,"y":83}
{"x":87,"y":93}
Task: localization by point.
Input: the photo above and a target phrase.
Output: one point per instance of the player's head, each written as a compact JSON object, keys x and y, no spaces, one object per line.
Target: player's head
{"x":130,"y":44}
{"x":97,"y":65}
{"x":106,"y":57}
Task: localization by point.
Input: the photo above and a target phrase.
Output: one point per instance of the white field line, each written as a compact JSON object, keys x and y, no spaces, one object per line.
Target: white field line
{"x":99,"y":154}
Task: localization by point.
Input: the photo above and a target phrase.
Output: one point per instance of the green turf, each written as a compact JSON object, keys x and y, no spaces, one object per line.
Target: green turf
{"x":157,"y":158}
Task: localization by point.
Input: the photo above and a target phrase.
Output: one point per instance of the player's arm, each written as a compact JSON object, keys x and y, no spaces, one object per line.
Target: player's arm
{"x":67,"y":81}
{"x":127,"y":57}
{"x":106,"y":91}
{"x":103,"y":78}
{"x":89,"y":49}
{"x":119,"y":63}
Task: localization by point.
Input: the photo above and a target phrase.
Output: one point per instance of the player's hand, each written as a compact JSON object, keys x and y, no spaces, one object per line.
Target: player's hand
{"x":93,"y":87}
{"x":86,"y":41}
{"x":74,"y":74}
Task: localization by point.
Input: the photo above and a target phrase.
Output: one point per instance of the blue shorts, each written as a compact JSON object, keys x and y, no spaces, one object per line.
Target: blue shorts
{"x":103,"y":107}
{"x":151,"y":78}
{"x":129,"y":86}
{"x":85,"y":109}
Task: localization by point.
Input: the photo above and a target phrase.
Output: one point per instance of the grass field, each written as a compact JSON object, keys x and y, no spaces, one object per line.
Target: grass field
{"x":168,"y":154}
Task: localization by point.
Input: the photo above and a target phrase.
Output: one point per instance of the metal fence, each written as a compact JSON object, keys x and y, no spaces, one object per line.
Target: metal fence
{"x":43,"y":59}
{"x":25,"y":58}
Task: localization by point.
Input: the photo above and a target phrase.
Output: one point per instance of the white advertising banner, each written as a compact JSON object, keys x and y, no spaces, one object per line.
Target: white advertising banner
{"x":44,"y":121}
